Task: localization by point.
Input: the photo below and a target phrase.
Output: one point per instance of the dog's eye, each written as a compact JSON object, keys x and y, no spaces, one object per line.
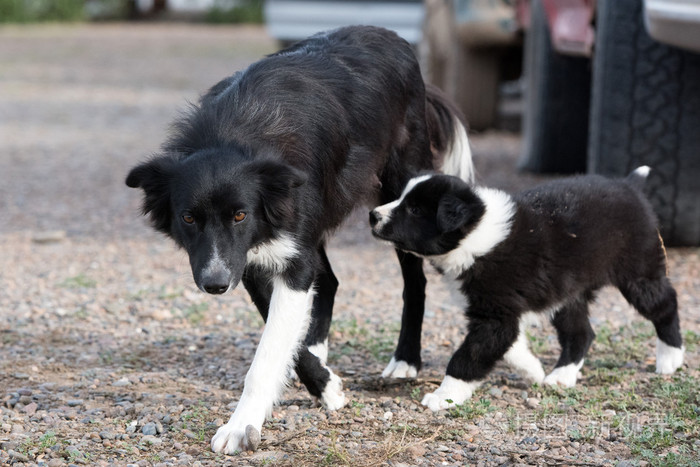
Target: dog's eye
{"x":188,"y":219}
{"x":239,"y":216}
{"x":414,"y":210}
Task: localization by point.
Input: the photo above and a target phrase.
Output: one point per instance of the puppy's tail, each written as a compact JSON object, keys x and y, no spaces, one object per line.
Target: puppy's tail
{"x":638,"y":177}
{"x":448,"y":136}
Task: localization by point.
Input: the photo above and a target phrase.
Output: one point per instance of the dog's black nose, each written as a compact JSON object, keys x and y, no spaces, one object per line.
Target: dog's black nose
{"x":374,"y":217}
{"x":216,"y":289}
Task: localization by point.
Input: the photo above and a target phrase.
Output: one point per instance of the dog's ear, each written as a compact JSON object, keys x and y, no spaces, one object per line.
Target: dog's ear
{"x":456,"y":211}
{"x":154,"y":178}
{"x":279,"y":183}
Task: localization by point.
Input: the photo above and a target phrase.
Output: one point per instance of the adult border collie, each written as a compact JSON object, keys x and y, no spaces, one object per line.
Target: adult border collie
{"x":548,"y":249}
{"x":254,"y":178}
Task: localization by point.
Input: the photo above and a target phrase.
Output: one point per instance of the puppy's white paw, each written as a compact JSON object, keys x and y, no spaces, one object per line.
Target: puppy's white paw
{"x":451,"y":392}
{"x":233,"y":437}
{"x":668,"y":359}
{"x":564,"y":375}
{"x":523,"y":361}
{"x":399,"y":369}
{"x":333,"y":397}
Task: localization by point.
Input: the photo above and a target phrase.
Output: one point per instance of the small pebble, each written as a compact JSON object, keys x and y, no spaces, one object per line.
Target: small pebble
{"x":252,"y":438}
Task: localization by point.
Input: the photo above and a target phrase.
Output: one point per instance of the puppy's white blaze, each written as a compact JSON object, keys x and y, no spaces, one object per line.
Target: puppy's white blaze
{"x":491,"y":230}
{"x":564,"y":375}
{"x":668,"y":359}
{"x":274,"y":254}
{"x":458,"y":160}
{"x":386,"y":209}
{"x":522,"y":360}
{"x":320,"y":350}
{"x":642,"y":171}
{"x":216,"y":263}
{"x":287,"y":323}
{"x":399,"y":369}
{"x":451,"y":392}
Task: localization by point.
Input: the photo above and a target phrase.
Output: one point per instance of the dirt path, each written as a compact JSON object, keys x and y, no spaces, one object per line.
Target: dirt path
{"x":110,"y":356}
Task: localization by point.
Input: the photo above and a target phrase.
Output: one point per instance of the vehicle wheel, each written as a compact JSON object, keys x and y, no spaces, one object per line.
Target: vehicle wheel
{"x":557,"y":99}
{"x":470,"y":77}
{"x":645,"y":110}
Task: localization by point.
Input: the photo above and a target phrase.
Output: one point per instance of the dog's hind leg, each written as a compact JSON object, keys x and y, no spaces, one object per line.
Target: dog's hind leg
{"x":311,"y":369}
{"x":655,"y":299}
{"x":575,"y":336}
{"x":322,"y":313}
{"x":487,"y":342}
{"x":406,"y":360}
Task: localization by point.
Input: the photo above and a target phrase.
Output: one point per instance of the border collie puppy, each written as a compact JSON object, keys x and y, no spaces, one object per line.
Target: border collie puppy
{"x":548,"y":249}
{"x":254,"y":179}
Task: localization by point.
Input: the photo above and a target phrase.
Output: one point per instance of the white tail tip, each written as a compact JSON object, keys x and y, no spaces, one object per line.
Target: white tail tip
{"x":643,"y":171}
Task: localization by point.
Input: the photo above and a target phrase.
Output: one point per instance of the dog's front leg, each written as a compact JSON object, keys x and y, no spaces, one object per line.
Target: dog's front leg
{"x":286,"y":326}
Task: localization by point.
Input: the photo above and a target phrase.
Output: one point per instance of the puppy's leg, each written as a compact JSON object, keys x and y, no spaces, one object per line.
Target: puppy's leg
{"x":575,"y":336}
{"x":655,"y":299}
{"x":286,"y":326}
{"x":487,"y":342}
{"x":520,"y":358}
{"x":406,"y":360}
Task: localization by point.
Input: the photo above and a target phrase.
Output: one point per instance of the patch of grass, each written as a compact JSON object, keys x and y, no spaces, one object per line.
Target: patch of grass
{"x":195,"y":313}
{"x":379,"y":345}
{"x":47,"y":440}
{"x":25,"y":11}
{"x":242,"y":11}
{"x":336,"y":455}
{"x":81,"y":281}
{"x":415,"y":393}
{"x":691,"y":340}
{"x":538,"y":345}
{"x":471,"y":409}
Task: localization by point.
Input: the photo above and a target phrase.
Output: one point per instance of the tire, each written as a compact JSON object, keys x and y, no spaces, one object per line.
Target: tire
{"x":645,"y":110}
{"x":557,"y":99}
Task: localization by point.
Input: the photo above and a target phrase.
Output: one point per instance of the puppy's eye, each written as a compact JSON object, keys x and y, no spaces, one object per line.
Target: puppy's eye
{"x":187,"y":218}
{"x":414,"y":210}
{"x":239,"y":216}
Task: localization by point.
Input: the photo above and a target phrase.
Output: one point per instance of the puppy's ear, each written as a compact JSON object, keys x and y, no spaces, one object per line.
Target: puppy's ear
{"x":154,"y":178}
{"x":279,"y":183}
{"x":455,"y":212}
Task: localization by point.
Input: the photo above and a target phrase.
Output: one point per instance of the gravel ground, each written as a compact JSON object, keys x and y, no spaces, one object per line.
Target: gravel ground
{"x":110,"y":356}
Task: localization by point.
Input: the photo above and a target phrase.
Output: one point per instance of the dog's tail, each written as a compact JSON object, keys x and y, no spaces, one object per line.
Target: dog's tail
{"x":448,"y":136}
{"x":638,"y":177}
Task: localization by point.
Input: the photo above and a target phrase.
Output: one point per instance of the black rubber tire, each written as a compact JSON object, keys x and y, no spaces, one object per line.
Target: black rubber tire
{"x":557,"y":98}
{"x":645,"y":110}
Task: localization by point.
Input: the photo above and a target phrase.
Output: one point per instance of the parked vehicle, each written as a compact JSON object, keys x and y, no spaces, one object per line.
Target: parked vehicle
{"x":632,"y":99}
{"x":293,"y":20}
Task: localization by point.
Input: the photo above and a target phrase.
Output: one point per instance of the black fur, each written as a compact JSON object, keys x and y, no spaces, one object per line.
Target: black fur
{"x":296,"y":142}
{"x":566,"y":240}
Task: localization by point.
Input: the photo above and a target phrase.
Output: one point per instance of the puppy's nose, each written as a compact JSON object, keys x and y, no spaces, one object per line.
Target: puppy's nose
{"x":374,"y":217}
{"x":215,"y":289}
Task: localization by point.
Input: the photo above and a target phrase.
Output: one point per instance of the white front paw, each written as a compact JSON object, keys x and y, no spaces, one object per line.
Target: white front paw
{"x":668,"y":359}
{"x":233,"y":437}
{"x":399,"y":369}
{"x":333,"y":397}
{"x":451,"y":392}
{"x":564,"y":375}
{"x":436,"y":402}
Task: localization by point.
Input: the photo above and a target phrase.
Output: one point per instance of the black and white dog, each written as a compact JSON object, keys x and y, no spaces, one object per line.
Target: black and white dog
{"x":548,"y":249}
{"x":253,"y":180}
